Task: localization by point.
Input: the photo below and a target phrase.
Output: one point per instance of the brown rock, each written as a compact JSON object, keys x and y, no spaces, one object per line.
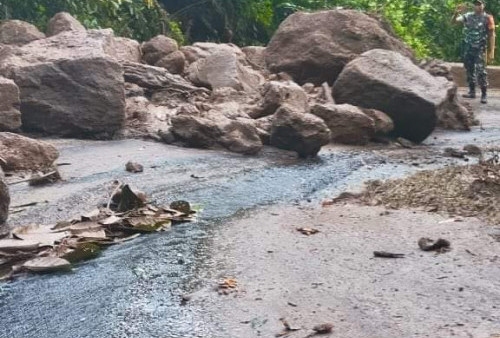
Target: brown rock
{"x":10,"y":116}
{"x":301,"y":132}
{"x":4,"y":201}
{"x":264,"y":127}
{"x":389,"y":82}
{"x":134,"y":167}
{"x":173,"y":62}
{"x":223,"y":69}
{"x":16,"y":32}
{"x":195,"y":131}
{"x":255,"y":56}
{"x":202,"y":50}
{"x":276,"y":94}
{"x":127,"y":50}
{"x":315,"y":47}
{"x":157,"y":48}
{"x":69,"y":85}
{"x":348,"y":124}
{"x":23,"y":153}
{"x":383,"y":123}
{"x":213,"y":128}
{"x":63,"y":22}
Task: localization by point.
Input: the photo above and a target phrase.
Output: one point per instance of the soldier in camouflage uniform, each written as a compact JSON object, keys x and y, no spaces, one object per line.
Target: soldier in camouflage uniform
{"x":479,"y":32}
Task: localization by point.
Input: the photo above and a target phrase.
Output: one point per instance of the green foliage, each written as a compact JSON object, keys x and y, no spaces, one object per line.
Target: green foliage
{"x":138,"y":19}
{"x":424,"y":24}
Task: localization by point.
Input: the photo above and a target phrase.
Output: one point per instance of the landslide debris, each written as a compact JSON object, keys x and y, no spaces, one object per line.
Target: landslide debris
{"x":469,"y":191}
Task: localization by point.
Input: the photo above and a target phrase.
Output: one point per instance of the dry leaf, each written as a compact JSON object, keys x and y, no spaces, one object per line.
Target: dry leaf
{"x":47,"y":264}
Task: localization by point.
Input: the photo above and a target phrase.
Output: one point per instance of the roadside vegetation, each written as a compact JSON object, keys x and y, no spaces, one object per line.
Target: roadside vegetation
{"x":424,"y":24}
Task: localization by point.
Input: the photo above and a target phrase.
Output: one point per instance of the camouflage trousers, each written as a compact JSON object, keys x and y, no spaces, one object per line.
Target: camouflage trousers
{"x":475,"y":65}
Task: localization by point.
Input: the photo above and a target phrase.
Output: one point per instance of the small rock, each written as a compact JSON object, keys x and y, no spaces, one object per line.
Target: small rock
{"x":405,"y":143}
{"x":472,"y":149}
{"x":323,"y":328}
{"x":182,"y":206}
{"x":450,"y":152}
{"x":134,"y":167}
{"x":427,"y":244}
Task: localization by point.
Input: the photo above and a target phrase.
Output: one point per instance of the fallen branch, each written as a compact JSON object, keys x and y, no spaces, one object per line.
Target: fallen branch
{"x":34,"y":179}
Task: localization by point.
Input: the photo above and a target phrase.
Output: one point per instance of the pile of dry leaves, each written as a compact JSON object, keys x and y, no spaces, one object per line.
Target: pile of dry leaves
{"x":468,"y":191}
{"x":46,"y":248}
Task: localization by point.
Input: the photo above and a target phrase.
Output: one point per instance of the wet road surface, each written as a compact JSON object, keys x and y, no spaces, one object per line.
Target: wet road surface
{"x":134,"y":289}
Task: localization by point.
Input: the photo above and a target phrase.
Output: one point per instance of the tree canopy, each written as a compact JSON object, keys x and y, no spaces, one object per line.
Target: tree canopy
{"x":424,"y":24}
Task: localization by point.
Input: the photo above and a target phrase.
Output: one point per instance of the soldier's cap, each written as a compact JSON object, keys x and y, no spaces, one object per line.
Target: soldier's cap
{"x":479,"y":2}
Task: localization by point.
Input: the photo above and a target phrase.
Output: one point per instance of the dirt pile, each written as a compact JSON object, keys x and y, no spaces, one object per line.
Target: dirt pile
{"x":469,"y":191}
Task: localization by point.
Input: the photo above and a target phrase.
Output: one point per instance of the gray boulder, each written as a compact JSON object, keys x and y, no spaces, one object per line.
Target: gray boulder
{"x":315,"y":47}
{"x":301,"y":132}
{"x":389,"y":82}
{"x":348,"y":124}
{"x":69,"y":84}
{"x":10,"y":116}
{"x":16,"y":32}
{"x":63,"y":22}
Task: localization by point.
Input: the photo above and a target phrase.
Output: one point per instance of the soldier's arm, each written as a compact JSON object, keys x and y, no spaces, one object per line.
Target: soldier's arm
{"x":458,"y":15}
{"x":491,"y":37}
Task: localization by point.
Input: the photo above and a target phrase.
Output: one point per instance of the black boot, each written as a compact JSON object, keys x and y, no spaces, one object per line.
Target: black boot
{"x":484,"y":95}
{"x":471,"y":94}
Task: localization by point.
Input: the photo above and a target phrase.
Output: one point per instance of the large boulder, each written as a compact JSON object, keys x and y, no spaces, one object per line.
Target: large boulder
{"x":127,"y":50}
{"x":301,"y":132}
{"x":315,"y":47}
{"x":348,"y":124}
{"x":16,"y":32}
{"x":223,"y":69}
{"x":10,"y":116}
{"x":157,"y":48}
{"x":217,"y":127}
{"x":240,"y":136}
{"x":69,"y":84}
{"x":22,"y":153}
{"x":196,"y":131}
{"x":389,"y":82}
{"x":4,"y":200}
{"x":275,"y":94}
{"x":63,"y":22}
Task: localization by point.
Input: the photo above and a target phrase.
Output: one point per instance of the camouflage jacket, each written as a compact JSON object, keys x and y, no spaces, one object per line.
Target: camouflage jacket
{"x":476,"y":28}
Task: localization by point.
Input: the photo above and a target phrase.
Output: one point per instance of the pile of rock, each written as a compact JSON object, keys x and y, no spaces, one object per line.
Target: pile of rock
{"x":89,"y":83}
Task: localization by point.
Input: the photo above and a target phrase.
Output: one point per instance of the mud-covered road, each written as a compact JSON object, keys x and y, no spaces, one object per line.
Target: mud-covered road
{"x":134,"y":289}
